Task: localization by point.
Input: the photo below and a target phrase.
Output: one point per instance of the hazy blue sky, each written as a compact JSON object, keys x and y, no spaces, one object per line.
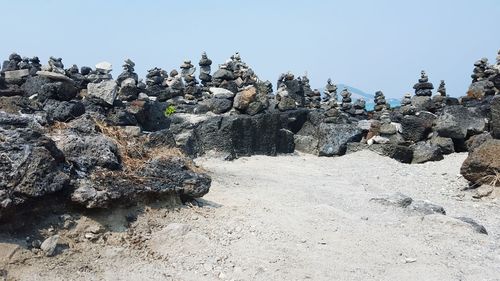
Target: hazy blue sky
{"x":371,"y":45}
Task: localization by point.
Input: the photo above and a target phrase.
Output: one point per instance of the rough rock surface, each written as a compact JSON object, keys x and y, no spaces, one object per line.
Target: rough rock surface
{"x":31,"y":165}
{"x":482,"y":166}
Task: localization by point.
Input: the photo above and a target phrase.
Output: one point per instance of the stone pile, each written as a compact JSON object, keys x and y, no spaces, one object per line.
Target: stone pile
{"x":406,"y":107}
{"x":205,"y":69}
{"x":423,"y":88}
{"x":359,"y":109}
{"x":290,"y":93}
{"x":485,"y":80}
{"x":155,"y":82}
{"x":127,"y":82}
{"x":380,"y":102}
{"x":346,"y":105}
{"x":330,"y":92}
{"x":312,"y":97}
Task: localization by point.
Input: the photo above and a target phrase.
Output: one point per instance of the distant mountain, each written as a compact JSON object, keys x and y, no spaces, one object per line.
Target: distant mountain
{"x":357,"y":94}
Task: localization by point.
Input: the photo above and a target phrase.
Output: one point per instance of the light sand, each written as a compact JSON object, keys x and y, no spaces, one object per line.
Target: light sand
{"x":295,"y":217}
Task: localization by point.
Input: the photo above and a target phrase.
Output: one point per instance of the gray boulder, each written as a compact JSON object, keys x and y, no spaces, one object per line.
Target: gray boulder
{"x":105,"y":90}
{"x":416,"y":127}
{"x":458,"y":122}
{"x":63,"y":111}
{"x":333,"y":138}
{"x":218,"y":105}
{"x":424,"y":152}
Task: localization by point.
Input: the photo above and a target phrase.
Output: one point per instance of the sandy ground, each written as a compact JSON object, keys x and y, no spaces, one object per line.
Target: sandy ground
{"x":293,"y":217}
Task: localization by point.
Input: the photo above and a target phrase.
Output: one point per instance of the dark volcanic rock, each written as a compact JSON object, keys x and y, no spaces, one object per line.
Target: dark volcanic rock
{"x":333,"y":138}
{"x":495,"y":117}
{"x":149,"y":114}
{"x":482,"y":166}
{"x":45,"y":88}
{"x":459,"y":122}
{"x":63,"y":110}
{"x":218,"y":106}
{"x":424,"y":152}
{"x":157,"y":177}
{"x":416,"y":128}
{"x":400,"y":153}
{"x":31,"y":166}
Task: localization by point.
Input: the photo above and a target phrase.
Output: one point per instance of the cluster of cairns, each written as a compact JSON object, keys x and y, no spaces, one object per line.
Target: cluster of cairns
{"x":485,"y":79}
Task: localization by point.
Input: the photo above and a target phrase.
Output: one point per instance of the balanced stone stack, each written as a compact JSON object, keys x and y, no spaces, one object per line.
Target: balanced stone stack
{"x":191,"y":89}
{"x":380,"y":102}
{"x":187,"y":69}
{"x":101,"y":73}
{"x":346,"y":105}
{"x":480,"y":67}
{"x":312,"y":98}
{"x":359,"y":109}
{"x":175,"y":87}
{"x":74,"y":74}
{"x":154,"y":81}
{"x":406,"y":107}
{"x":11,"y":71}
{"x":442,"y":88}
{"x":485,"y":79}
{"x":293,"y":88}
{"x":205,"y":69}
{"x":283,"y":98}
{"x":224,"y":78}
{"x":330,"y":92}
{"x":423,"y":88}
{"x":12,"y":63}
{"x":127,"y":82}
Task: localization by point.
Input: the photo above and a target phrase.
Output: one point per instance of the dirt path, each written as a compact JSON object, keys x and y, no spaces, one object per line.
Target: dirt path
{"x":293,"y":218}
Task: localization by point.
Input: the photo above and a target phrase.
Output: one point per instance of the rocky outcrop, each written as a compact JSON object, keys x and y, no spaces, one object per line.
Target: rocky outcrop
{"x":32,"y":167}
{"x":482,"y":166}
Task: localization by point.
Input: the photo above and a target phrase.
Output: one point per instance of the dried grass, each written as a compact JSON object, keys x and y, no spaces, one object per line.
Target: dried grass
{"x":134,"y":153}
{"x":493,"y":180}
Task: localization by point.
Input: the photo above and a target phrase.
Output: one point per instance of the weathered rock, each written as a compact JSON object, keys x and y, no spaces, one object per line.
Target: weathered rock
{"x":149,"y":114}
{"x":426,"y":208}
{"x":397,"y":199}
{"x":105,"y":90}
{"x":218,"y":105}
{"x":49,"y":245}
{"x":157,"y":177}
{"x":445,"y":145}
{"x":482,"y":166}
{"x":223,"y":74}
{"x":255,"y":108}
{"x":19,"y":104}
{"x":221,"y":93}
{"x":475,"y":226}
{"x":88,"y":151}
{"x":244,"y":98}
{"x":400,"y":153}
{"x":459,"y":122}
{"x":333,"y":138}
{"x":31,"y":166}
{"x":53,"y":76}
{"x":44,"y":88}
{"x":16,"y":76}
{"x":477,"y":140}
{"x":495,"y":117}
{"x":423,"y":103}
{"x":64,"y":111}
{"x":424,"y":152}
{"x":416,"y":128}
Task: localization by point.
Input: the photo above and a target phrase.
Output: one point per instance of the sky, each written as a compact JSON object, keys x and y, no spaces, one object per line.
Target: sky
{"x":370,"y":45}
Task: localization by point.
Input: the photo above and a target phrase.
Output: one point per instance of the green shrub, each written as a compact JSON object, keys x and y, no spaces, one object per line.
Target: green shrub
{"x":169,"y":110}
